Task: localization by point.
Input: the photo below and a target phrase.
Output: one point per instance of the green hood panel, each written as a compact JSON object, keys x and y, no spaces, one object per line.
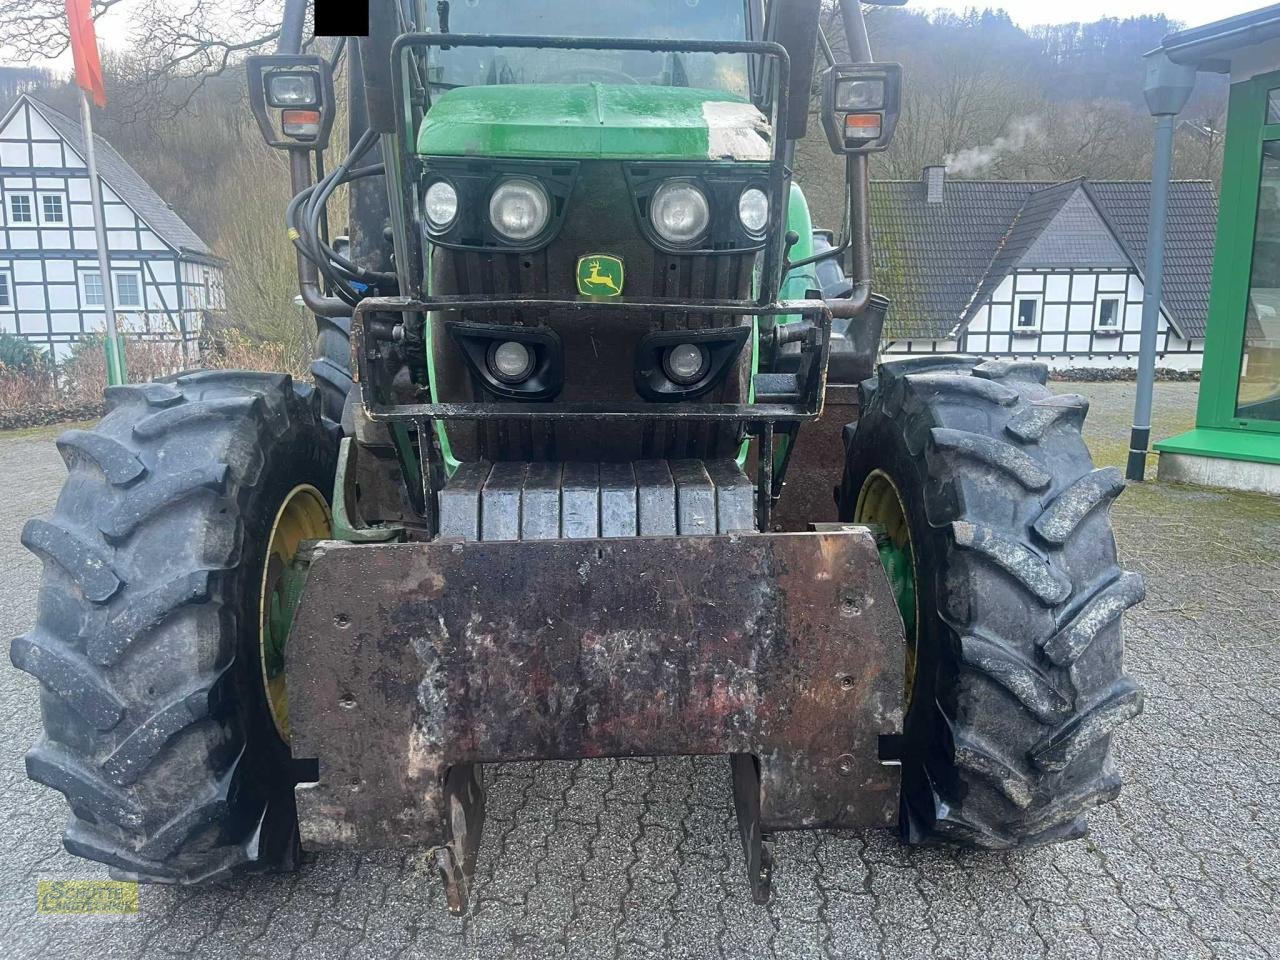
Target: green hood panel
{"x":594,"y":122}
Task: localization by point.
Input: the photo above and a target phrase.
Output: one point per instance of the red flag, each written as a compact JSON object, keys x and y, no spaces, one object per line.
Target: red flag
{"x":84,"y":49}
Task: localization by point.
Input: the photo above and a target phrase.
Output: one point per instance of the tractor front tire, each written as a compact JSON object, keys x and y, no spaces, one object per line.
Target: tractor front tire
{"x":147,"y":644}
{"x":331,"y":369}
{"x":1015,"y":663}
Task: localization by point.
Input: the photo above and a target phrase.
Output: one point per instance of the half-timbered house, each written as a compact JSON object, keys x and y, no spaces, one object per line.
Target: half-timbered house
{"x":165,"y":278}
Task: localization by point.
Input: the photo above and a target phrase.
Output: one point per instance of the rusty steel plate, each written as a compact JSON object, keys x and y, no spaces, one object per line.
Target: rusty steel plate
{"x":407,"y":660}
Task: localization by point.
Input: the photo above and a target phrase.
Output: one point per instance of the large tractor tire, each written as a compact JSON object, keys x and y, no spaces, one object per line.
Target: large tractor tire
{"x":331,"y":369}
{"x":162,"y":693}
{"x":1012,"y":597}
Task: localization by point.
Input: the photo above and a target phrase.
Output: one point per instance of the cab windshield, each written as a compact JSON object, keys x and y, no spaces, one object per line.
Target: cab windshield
{"x":634,"y":19}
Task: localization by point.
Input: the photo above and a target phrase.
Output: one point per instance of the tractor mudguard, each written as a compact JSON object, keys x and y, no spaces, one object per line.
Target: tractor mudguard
{"x":411,"y":664}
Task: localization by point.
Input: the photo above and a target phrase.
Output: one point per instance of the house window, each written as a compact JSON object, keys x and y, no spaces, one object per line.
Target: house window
{"x":1107,"y":314}
{"x":6,"y":291}
{"x":92,"y":283}
{"x":128,"y":290}
{"x":127,"y":287}
{"x":20,"y":210}
{"x":51,"y":208}
{"x":1026,"y":314}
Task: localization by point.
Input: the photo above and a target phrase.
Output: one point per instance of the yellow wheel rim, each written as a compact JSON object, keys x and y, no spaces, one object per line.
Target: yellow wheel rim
{"x":880,"y":503}
{"x":304,"y":515}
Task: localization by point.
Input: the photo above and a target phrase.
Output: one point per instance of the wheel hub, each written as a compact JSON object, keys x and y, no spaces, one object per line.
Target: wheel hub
{"x":880,"y":505}
{"x":304,"y":515}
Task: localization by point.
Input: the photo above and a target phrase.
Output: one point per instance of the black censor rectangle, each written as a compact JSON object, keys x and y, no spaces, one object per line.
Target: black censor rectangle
{"x":342,"y":18}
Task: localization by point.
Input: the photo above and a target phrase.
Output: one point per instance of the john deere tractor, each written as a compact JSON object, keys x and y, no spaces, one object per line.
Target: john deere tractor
{"x":563,"y":485}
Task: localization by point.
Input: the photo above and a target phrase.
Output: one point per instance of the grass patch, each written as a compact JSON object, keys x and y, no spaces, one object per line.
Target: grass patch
{"x":46,"y":432}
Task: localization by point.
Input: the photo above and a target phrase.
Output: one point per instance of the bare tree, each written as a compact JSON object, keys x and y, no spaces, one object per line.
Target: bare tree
{"x":32,"y":30}
{"x":170,"y":40}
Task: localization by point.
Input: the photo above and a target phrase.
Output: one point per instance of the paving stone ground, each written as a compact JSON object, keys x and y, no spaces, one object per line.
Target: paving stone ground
{"x":641,"y":859}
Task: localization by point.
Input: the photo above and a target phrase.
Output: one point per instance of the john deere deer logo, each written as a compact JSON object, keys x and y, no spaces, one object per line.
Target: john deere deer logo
{"x":600,"y":275}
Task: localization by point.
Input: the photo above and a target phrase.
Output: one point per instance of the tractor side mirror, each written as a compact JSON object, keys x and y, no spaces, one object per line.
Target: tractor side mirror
{"x":860,"y":106}
{"x":292,"y":100}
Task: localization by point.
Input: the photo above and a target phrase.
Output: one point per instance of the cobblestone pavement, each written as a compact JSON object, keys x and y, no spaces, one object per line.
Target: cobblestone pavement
{"x":639,"y":859}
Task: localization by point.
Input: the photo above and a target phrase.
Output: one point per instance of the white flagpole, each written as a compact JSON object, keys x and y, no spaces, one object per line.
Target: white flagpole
{"x":115,"y":362}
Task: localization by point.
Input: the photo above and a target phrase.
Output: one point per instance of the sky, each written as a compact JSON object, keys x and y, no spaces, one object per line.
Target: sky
{"x":1029,"y":13}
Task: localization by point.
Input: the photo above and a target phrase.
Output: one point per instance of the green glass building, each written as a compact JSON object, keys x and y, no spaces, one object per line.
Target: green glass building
{"x":1236,"y":441}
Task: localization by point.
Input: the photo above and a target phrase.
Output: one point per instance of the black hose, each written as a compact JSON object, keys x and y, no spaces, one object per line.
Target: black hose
{"x":315,"y":207}
{"x":301,"y":238}
{"x":303,"y":217}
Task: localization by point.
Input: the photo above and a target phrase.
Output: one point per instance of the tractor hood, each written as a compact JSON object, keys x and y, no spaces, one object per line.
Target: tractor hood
{"x":595,"y":121}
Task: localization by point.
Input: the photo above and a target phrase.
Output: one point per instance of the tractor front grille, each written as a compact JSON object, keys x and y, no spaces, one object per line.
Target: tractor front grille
{"x":599,"y":349}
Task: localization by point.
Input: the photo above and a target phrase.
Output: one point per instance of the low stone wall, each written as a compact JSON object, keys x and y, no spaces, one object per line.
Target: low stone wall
{"x":1120,"y":375}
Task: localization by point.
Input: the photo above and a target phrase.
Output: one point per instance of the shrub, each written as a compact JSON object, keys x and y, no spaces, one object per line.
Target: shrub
{"x":19,"y":354}
{"x":228,"y":348}
{"x":83,"y":375}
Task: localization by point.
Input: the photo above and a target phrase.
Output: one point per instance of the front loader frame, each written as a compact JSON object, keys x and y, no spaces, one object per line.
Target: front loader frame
{"x":424,"y":660}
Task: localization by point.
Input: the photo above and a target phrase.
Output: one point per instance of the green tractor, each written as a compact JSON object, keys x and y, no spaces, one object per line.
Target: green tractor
{"x":586,"y":380}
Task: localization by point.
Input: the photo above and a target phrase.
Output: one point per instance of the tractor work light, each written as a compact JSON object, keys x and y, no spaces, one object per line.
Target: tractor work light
{"x":686,"y":363}
{"x":680,"y":212}
{"x":520,"y":209}
{"x":301,"y":124}
{"x":293,"y":89}
{"x":441,"y":205}
{"x":860,"y":106}
{"x":753,"y":211}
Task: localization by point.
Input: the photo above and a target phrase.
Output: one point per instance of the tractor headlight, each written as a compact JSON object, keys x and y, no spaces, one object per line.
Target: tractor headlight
{"x":520,"y":209}
{"x":753,"y":210}
{"x":855,"y":95}
{"x":679,"y":212}
{"x":295,"y":89}
{"x":441,"y":205}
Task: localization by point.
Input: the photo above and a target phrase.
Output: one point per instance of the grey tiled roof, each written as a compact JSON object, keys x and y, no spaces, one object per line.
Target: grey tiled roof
{"x":936,"y":260}
{"x":1193,"y":228}
{"x":1077,"y":237}
{"x":126,"y":182}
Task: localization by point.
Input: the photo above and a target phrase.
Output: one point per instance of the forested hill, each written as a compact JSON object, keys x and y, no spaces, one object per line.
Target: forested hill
{"x":1048,"y":103}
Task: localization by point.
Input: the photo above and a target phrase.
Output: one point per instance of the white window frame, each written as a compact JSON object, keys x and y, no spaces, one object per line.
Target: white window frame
{"x":84,"y":290}
{"x":31,"y":212}
{"x":115,"y":288}
{"x":63,"y":219}
{"x":6,"y":277}
{"x":1112,"y":328}
{"x":1019,"y":299}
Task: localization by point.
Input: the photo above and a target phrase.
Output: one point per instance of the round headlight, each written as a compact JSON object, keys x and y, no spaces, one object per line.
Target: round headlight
{"x":441,"y":205}
{"x":685,"y":363}
{"x":511,"y":362}
{"x":680,"y":212}
{"x":520,"y":209}
{"x":753,"y":210}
